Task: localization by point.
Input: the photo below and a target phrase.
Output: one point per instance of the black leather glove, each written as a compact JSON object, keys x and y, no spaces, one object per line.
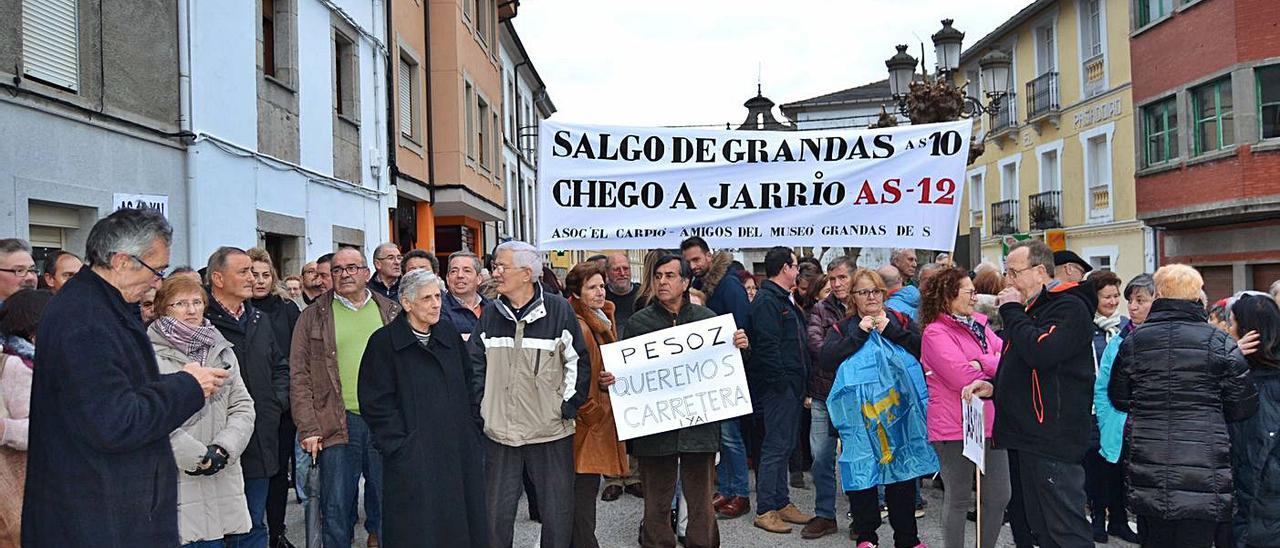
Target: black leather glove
{"x":568,"y":411}
{"x":216,"y":458}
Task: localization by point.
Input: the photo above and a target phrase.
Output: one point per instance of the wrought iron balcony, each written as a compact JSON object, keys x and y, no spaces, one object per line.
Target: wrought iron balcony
{"x":1007,"y":116}
{"x":1045,"y":210}
{"x":1042,"y":95}
{"x":1004,"y":217}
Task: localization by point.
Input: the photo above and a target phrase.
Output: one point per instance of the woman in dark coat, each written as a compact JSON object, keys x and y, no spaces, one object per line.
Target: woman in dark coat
{"x":1181,"y":380}
{"x":1255,"y":455}
{"x":414,"y":395}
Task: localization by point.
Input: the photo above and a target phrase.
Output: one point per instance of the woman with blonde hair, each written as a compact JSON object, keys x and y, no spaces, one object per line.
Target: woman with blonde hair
{"x":206,"y":448}
{"x":1177,"y":373}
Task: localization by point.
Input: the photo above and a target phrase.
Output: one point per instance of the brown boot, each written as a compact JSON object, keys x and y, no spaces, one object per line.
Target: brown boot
{"x":771,"y":522}
{"x":735,"y":507}
{"x":373,"y":541}
{"x":818,"y":528}
{"x":791,"y":514}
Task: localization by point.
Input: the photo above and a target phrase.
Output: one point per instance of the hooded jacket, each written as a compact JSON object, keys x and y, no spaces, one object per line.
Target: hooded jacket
{"x":1181,"y":380}
{"x":905,"y":300}
{"x":947,"y":346}
{"x":1044,"y":384}
{"x":529,"y":373}
{"x":724,"y":290}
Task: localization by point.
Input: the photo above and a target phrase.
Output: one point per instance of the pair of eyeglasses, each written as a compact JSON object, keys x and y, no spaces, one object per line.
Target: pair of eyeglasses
{"x":1013,"y":272}
{"x":868,"y":292}
{"x":20,"y":272}
{"x":160,"y":273}
{"x":192,"y":304}
{"x":349,"y":270}
{"x":395,"y":258}
{"x":969,"y":292}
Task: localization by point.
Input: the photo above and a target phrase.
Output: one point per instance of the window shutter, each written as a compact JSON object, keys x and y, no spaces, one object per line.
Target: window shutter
{"x":50,"y":42}
{"x":406,"y":98}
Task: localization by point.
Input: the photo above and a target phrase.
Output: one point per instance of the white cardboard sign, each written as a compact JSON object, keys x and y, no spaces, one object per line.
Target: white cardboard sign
{"x":676,"y":378}
{"x":974,"y":434}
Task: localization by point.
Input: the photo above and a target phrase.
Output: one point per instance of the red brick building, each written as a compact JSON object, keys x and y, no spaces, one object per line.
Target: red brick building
{"x":1206,"y":85}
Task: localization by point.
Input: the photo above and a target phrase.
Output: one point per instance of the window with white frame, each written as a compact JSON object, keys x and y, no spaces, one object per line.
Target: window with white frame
{"x":1009,"y":181}
{"x":1098,"y":191}
{"x":468,"y":106}
{"x":977,"y":199}
{"x":1091,"y":28}
{"x":496,"y":144}
{"x":1050,"y":170}
{"x":410,"y":98}
{"x":484,"y":155}
{"x":1046,"y":51}
{"x":51,"y":42}
{"x":1103,"y":257}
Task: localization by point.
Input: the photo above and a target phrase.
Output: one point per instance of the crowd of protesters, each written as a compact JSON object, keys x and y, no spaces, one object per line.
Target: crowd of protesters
{"x":436,"y":395}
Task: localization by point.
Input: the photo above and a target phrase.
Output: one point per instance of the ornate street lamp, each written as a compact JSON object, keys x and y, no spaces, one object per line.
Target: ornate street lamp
{"x":996,"y":77}
{"x":946,"y":47}
{"x":902,"y":69}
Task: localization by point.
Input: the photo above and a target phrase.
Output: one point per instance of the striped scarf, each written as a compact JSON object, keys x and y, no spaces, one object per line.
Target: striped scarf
{"x":979,"y":330}
{"x":192,"y":341}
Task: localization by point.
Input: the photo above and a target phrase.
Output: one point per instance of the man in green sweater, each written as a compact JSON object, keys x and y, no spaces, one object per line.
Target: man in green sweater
{"x":328,"y":344}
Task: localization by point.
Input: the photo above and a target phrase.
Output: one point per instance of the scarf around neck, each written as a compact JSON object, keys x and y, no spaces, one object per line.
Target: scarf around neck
{"x":192,"y":341}
{"x":1108,"y":324}
{"x":22,"y":348}
{"x":979,"y":331}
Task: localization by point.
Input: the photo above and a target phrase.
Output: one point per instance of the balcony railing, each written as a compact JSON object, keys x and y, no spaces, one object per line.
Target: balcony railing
{"x":1004,"y":217}
{"x":1099,"y":202}
{"x":1042,"y":95}
{"x":1045,"y":210}
{"x":1007,"y":116}
{"x":1095,"y":74}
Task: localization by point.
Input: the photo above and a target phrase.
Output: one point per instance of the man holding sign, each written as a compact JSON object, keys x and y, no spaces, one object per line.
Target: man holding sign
{"x":689,"y":450}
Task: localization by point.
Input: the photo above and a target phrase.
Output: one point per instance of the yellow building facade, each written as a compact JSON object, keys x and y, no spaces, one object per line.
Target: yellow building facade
{"x":1059,"y":153}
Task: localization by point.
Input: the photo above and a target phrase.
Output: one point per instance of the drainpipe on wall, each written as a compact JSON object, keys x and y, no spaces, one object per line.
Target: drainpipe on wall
{"x":429,"y":109}
{"x":393,"y":171}
{"x":185,"y":124}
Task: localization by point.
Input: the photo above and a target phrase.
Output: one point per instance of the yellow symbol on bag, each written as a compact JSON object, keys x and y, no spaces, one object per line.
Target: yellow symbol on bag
{"x":872,"y":412}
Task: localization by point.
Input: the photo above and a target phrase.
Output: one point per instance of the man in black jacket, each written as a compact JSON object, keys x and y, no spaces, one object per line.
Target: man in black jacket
{"x":776,"y":372}
{"x":263,"y":366}
{"x":1044,"y":391}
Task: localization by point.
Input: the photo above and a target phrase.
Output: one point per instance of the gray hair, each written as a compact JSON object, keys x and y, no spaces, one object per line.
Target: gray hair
{"x":218,"y":260}
{"x":128,"y":231}
{"x":1038,"y":253}
{"x":844,"y":260}
{"x":986,"y":265}
{"x":1144,"y":282}
{"x":378,"y":249}
{"x":1275,"y":290}
{"x":474,"y":260}
{"x":901,"y":251}
{"x":14,"y":245}
{"x":890,"y":275}
{"x":413,"y":282}
{"x":523,"y":255}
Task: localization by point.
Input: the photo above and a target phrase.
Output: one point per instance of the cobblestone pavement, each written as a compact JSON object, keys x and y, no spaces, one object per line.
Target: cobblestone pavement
{"x":617,"y":524}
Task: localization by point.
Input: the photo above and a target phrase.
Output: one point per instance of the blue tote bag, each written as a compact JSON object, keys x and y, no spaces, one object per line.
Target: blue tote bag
{"x":878,"y":405}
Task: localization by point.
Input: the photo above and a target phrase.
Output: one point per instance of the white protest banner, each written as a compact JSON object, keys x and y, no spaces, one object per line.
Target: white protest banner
{"x":974,"y":434}
{"x":677,"y":377}
{"x":604,"y":187}
{"x":158,"y":202}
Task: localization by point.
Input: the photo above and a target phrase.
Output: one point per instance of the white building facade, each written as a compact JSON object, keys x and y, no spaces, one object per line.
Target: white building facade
{"x":286,"y":102}
{"x":525,"y":104}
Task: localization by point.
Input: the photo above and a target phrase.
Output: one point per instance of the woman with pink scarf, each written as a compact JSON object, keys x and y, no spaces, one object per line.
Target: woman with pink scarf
{"x":18,"y":322}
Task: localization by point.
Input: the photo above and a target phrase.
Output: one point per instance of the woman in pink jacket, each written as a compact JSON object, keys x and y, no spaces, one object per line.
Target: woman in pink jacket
{"x":958,"y":349}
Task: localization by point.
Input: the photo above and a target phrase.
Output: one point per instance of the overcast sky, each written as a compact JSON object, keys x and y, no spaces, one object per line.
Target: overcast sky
{"x":678,"y":62}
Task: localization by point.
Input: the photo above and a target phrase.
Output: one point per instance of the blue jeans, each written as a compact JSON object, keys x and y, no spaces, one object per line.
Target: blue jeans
{"x":340,"y":469}
{"x":732,"y":477}
{"x":205,"y":544}
{"x":823,"y":445}
{"x":780,"y":408}
{"x":255,"y":492}
{"x":302,"y":465}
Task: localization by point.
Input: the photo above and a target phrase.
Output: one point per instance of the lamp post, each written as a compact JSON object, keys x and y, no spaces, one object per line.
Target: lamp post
{"x":927,"y":100}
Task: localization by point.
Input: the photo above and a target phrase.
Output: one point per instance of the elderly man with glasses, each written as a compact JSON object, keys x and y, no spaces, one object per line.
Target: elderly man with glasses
{"x":529,"y":373}
{"x":101,"y":469}
{"x":328,"y":344}
{"x":386,"y":271}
